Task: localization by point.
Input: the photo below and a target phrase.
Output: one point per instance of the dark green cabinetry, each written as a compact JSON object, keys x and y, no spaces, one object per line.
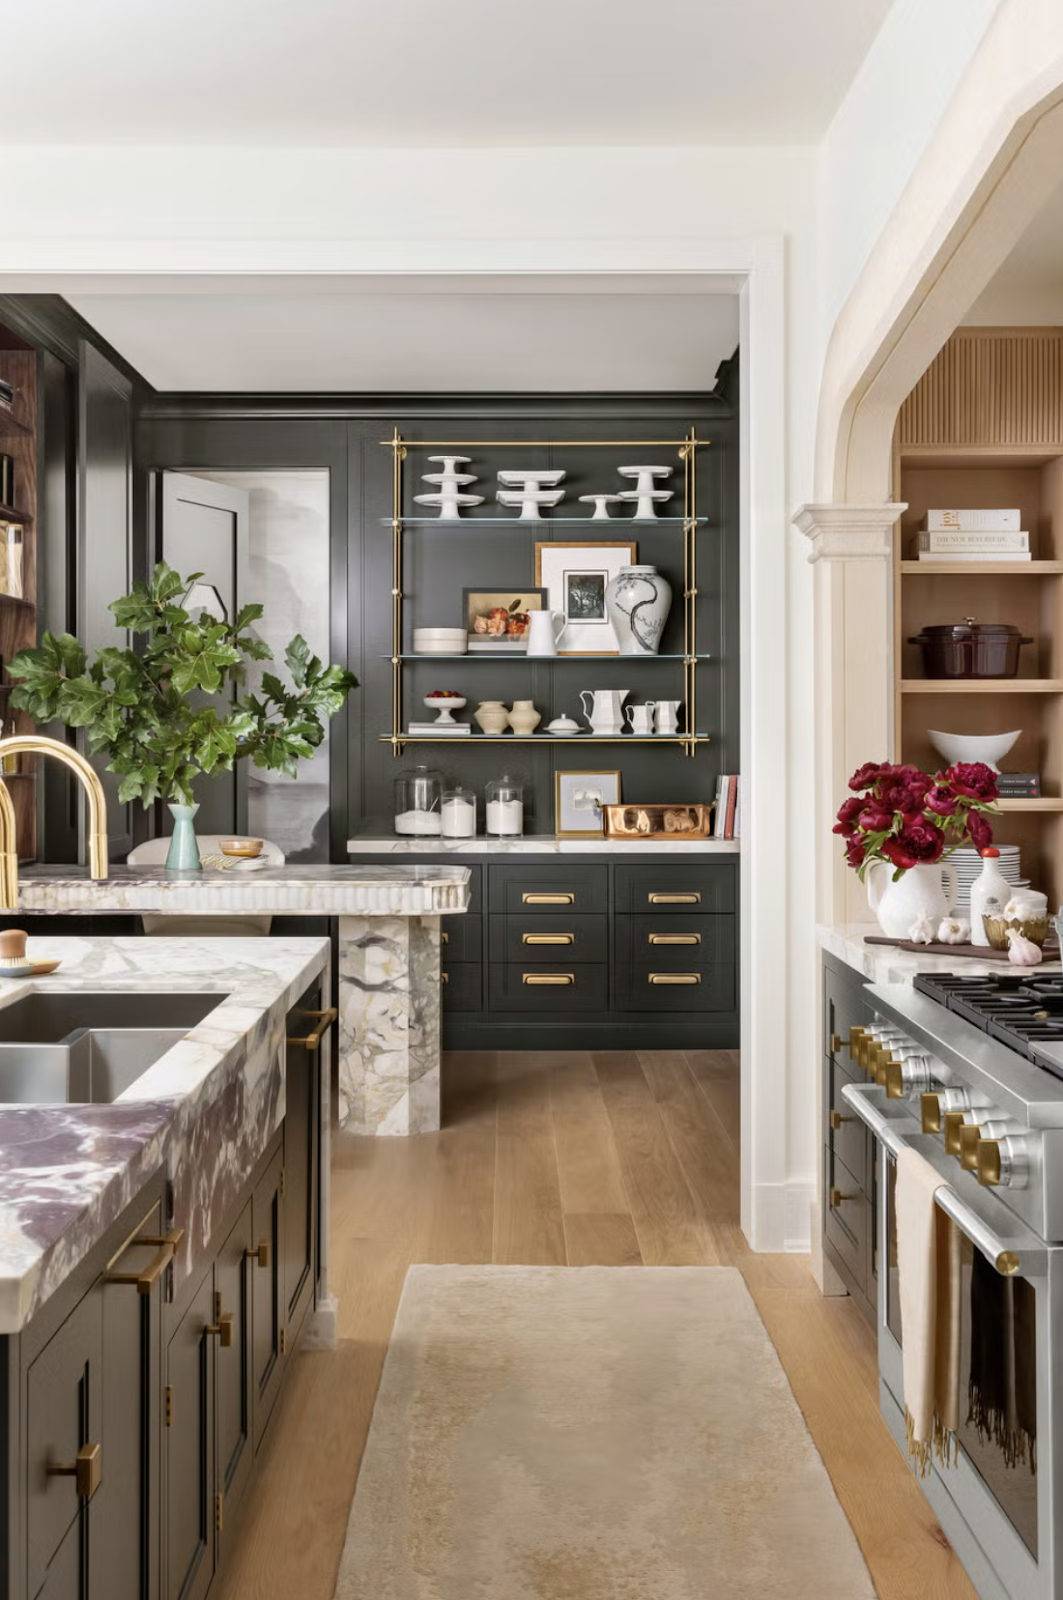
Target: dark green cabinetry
{"x":850,"y":1194}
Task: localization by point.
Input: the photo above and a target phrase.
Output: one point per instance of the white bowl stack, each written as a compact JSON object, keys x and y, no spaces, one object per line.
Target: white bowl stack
{"x":968,"y":864}
{"x":440,"y":641}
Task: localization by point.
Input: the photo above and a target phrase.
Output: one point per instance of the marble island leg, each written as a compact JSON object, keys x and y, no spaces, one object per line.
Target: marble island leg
{"x":389,"y":1029}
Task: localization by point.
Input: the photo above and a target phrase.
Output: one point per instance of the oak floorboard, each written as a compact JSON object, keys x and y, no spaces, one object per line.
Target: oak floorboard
{"x":601,"y":1239}
{"x":717,"y":1072}
{"x":529,"y":1227}
{"x":587,"y":1159}
{"x":702,"y":1149}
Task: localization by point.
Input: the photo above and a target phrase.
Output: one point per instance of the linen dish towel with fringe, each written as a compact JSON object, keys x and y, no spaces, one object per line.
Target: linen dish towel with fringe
{"x":928,"y":1262}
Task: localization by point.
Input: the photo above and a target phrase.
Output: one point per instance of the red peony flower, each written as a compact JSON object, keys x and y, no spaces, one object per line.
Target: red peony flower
{"x":973,"y":780}
{"x":918,"y":841}
{"x":980,"y":831}
{"x":874,"y":820}
{"x":943,"y":801}
{"x":847,"y":815}
{"x":866,"y":775}
{"x":855,"y":851}
{"x":904,"y":793}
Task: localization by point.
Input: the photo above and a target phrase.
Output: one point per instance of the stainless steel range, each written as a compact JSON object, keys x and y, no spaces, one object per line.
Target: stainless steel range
{"x":969,"y":1071}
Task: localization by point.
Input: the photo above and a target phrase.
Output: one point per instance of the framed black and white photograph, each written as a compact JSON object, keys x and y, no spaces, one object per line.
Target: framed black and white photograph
{"x":580,"y":799}
{"x":575,"y":578}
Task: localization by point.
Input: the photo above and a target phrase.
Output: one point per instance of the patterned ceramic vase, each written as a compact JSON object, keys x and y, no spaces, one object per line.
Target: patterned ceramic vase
{"x":638,"y":600}
{"x":183,"y":854}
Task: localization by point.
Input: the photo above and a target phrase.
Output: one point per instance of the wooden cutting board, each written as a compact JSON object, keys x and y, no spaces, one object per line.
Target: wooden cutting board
{"x":974,"y":951}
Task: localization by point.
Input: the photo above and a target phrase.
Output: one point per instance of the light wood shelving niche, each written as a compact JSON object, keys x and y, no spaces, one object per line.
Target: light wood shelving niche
{"x":984,"y":427}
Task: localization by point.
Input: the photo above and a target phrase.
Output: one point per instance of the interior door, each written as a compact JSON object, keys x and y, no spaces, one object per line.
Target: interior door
{"x":204,"y":528}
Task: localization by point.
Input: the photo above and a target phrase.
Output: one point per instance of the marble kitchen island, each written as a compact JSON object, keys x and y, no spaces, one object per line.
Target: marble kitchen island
{"x":389,"y":945}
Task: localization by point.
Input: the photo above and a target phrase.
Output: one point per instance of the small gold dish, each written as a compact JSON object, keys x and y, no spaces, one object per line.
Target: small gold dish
{"x":247,"y":848}
{"x":1033,"y":928}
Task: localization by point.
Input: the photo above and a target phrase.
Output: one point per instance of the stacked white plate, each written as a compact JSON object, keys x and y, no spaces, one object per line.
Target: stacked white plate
{"x":440,"y":641}
{"x":968,"y":864}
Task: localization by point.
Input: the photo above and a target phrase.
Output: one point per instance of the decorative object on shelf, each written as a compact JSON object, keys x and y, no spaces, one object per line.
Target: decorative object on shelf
{"x":601,"y":504}
{"x":544,"y":632}
{"x":638,"y":600}
{"x":1019,"y":785}
{"x":459,"y":813}
{"x":243,"y":848}
{"x":497,"y":620}
{"x":183,"y":854}
{"x":575,"y":576}
{"x":971,"y":649}
{"x":565,"y":726}
{"x":418,"y":801}
{"x":505,"y":807}
{"x":666,"y":716}
{"x":446,"y":702}
{"x":580,"y":799}
{"x":530,"y":490}
{"x":658,"y":821}
{"x":640,"y":718}
{"x":141,"y":709}
{"x":606,"y":713}
{"x":440,"y":641}
{"x":974,"y":535}
{"x":449,"y":495}
{"x":492,"y":717}
{"x":15,"y":963}
{"x":645,"y":496}
{"x":968,"y":748}
{"x":524,"y":719}
{"x":903,"y":822}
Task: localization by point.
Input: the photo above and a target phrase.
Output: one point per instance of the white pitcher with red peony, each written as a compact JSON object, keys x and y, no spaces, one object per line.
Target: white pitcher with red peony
{"x":919,"y":892}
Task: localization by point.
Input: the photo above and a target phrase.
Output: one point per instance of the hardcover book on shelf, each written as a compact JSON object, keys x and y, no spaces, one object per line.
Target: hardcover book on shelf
{"x":997,"y":539}
{"x":732,"y":805}
{"x":446,"y":730}
{"x":720,"y":813}
{"x":1019,"y":785}
{"x":974,"y":520}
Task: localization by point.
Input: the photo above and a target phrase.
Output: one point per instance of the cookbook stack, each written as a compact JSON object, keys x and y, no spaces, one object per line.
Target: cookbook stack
{"x":967,"y":535}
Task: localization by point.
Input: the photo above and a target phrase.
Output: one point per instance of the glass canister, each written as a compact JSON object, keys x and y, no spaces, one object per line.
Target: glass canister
{"x":505,"y":807}
{"x":459,"y":813}
{"x":418,"y":801}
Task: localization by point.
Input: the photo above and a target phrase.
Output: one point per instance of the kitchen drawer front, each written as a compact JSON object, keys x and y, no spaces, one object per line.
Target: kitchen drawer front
{"x":563,"y":937}
{"x":849,"y":1139}
{"x":64,"y":1414}
{"x":846,"y":1222}
{"x":460,"y":938}
{"x":690,"y":939}
{"x":546,"y":890}
{"x":675,"y":986}
{"x":674,"y":889}
{"x":462,"y":985}
{"x":845,"y":1005}
{"x":522,"y":986}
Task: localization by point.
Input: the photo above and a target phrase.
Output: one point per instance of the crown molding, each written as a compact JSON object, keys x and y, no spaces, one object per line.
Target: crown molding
{"x":849,"y":533}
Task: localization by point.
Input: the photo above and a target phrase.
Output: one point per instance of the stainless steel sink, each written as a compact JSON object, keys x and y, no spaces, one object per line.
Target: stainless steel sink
{"x":58,"y":1049}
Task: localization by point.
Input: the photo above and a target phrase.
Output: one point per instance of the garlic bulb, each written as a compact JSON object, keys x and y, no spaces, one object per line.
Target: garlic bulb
{"x":1020,"y":910}
{"x":921,"y":931}
{"x":954,"y":930}
{"x":1022,"y":952}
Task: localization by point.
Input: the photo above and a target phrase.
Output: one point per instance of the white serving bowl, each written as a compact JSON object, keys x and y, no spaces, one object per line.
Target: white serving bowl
{"x":988,"y":747}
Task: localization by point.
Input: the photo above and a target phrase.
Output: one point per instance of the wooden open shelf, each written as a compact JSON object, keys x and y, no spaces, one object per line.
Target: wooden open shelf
{"x":936,"y":686}
{"x":981,"y":569}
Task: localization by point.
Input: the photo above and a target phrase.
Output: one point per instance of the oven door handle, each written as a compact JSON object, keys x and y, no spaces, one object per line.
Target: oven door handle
{"x":1008,"y":1256}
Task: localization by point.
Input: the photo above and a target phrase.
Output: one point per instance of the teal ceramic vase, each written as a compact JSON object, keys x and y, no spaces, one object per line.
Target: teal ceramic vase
{"x":183,"y":855}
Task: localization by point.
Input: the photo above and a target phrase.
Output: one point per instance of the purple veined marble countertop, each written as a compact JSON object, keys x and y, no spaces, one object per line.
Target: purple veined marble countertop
{"x":206,"y":1109}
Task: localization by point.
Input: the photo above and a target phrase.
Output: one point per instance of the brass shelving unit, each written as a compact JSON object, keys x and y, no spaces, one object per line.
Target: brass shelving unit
{"x":687,"y":448}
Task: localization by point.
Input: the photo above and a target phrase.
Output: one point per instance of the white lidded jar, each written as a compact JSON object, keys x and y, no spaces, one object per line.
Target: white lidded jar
{"x":459,"y":813}
{"x":505,"y":808}
{"x":990,"y":893}
{"x":418,"y":794}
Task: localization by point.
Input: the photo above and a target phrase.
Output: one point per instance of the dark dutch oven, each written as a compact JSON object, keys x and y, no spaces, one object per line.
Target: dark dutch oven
{"x":971,"y":649}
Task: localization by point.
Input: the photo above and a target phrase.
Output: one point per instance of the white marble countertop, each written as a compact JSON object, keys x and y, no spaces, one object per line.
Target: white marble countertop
{"x":298,"y":890}
{"x":206,"y":1108}
{"x":538,"y":844}
{"x":883,"y":963}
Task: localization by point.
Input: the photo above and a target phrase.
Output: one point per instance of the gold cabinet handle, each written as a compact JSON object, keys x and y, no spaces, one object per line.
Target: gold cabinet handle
{"x":86,"y":1470}
{"x":675,"y":977}
{"x":261,"y":1255}
{"x":836,"y":1198}
{"x":167,"y":1246}
{"x":222,"y":1330}
{"x":444,"y":937}
{"x":837,"y":1044}
{"x":548,"y":938}
{"x":313,"y":1040}
{"x":562,"y":978}
{"x":836,"y":1120}
{"x":675,"y":938}
{"x":691,"y":898}
{"x":567,"y":898}
{"x":444,"y":977}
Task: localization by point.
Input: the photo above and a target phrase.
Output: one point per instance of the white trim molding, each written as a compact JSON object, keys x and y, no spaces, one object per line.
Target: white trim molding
{"x":847,"y":532}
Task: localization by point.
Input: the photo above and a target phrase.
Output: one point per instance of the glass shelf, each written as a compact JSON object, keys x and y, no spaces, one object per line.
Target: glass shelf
{"x":544,"y":738}
{"x":597,"y":523}
{"x":522,"y":655}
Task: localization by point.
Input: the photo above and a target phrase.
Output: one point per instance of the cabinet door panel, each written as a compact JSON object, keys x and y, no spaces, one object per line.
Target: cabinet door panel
{"x":267,"y":1310}
{"x":64,"y":1412}
{"x":301,"y":1141}
{"x":67,"y":1577}
{"x":232,"y":1362}
{"x":668,"y":889}
{"x":189,"y":1494}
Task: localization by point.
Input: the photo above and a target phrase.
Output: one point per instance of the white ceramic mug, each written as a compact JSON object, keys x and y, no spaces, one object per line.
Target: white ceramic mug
{"x":640,"y":718}
{"x":667,"y":720}
{"x":544,"y":632}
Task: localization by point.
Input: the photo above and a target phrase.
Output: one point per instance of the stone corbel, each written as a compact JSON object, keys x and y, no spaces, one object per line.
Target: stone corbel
{"x":849,"y":533}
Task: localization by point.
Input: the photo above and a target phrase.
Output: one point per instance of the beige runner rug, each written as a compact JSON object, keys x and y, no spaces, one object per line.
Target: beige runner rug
{"x":590,"y":1433}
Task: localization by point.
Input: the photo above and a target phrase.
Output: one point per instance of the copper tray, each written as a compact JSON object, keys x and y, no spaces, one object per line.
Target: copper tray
{"x":658,"y":821}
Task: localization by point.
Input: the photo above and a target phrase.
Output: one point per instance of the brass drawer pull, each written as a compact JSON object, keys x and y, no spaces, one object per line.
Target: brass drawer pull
{"x":836,"y":1198}
{"x":548,"y":938}
{"x":167,"y":1246}
{"x":222,"y":1330}
{"x":675,"y":938}
{"x":565,"y":898}
{"x":444,"y":977}
{"x":836,"y":1120}
{"x":261,"y":1255}
{"x":675,"y":977}
{"x":325,"y":1020}
{"x":444,"y":937}
{"x":691,"y":898}
{"x":564,"y":979}
{"x":86,"y":1470}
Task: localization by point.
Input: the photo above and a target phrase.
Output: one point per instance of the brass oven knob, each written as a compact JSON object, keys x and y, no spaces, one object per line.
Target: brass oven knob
{"x":1003,"y":1162}
{"x":970,"y":1134}
{"x":954,"y":1121}
{"x":856,"y":1044}
{"x":987,"y":1162}
{"x":930,"y":1107}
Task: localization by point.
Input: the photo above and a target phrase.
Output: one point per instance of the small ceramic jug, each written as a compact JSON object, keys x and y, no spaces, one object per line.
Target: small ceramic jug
{"x":667,"y":718}
{"x":492,"y":717}
{"x":544,"y":632}
{"x":641,"y":717}
{"x":524,"y":719}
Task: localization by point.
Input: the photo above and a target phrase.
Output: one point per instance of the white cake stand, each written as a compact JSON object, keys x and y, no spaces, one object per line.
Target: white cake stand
{"x":530,"y":500}
{"x":449,"y":502}
{"x":644,"y":492}
{"x":601,"y":504}
{"x":547,"y":478}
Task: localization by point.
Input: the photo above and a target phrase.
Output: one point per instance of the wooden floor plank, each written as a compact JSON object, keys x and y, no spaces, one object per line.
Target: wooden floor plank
{"x":601,"y":1239}
{"x":717,"y":1071}
{"x":587,"y":1161}
{"x":529,"y":1228}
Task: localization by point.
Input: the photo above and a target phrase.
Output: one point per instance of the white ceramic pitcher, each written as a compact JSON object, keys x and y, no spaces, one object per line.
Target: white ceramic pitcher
{"x":919,"y":892}
{"x":606,"y":715}
{"x":544,"y":632}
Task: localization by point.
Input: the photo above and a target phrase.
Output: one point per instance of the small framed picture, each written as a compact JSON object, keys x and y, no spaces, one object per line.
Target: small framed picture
{"x":580,"y":799}
{"x":574,"y":577}
{"x":497,"y":619}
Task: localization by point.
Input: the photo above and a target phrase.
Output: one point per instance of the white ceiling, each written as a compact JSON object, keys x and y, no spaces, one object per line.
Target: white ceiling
{"x":422,"y":335}
{"x":1027,"y":291}
{"x":420,"y":73}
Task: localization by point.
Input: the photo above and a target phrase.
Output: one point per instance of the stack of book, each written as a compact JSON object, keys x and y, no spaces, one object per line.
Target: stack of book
{"x":444,"y":729}
{"x":1019,"y":785}
{"x":984,"y":535}
{"x":727,"y":820}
